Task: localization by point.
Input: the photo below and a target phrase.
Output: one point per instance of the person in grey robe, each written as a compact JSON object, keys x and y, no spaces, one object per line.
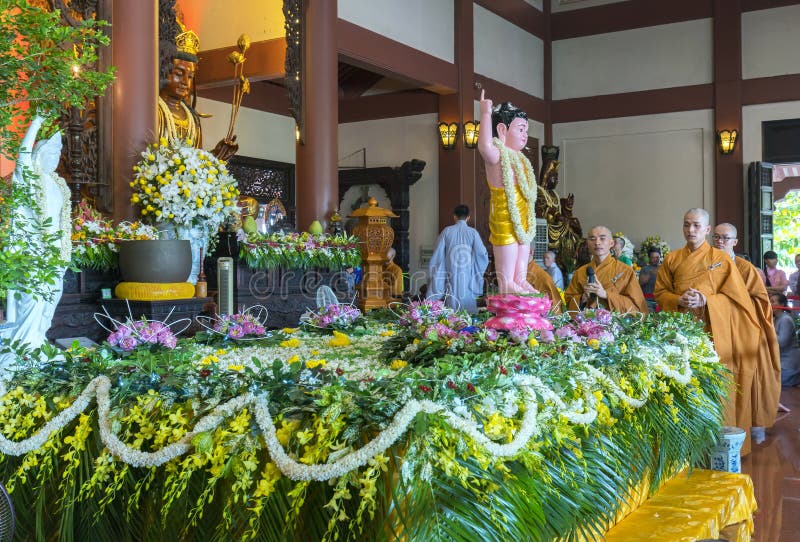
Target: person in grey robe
{"x":787,"y":341}
{"x":458,"y":263}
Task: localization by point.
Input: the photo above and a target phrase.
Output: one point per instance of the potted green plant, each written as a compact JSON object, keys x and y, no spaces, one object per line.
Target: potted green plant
{"x":45,"y":67}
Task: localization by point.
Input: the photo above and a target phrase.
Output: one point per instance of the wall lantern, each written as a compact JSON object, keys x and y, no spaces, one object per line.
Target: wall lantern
{"x":471,"y":130}
{"x":726,"y":139}
{"x":448,"y":134}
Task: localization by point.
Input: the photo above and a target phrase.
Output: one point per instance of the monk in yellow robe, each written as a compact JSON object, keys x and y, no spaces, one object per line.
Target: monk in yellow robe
{"x":393,"y":274}
{"x":543,"y":282}
{"x":614,"y":285}
{"x":704,"y":281}
{"x":767,"y":379}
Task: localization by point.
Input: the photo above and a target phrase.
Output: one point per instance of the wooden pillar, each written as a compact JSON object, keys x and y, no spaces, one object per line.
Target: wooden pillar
{"x":548,"y":75}
{"x":457,"y":167}
{"x":134,"y":93}
{"x":317,"y":192}
{"x":728,"y":169}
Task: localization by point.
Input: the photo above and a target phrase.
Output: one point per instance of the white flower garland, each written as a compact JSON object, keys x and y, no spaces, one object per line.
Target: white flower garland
{"x":514,"y":164}
{"x":582,"y":411}
{"x":65,"y":218}
{"x":172,"y":129}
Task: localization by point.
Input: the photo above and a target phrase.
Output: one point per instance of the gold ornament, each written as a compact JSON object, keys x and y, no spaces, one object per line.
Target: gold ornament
{"x":187,"y":41}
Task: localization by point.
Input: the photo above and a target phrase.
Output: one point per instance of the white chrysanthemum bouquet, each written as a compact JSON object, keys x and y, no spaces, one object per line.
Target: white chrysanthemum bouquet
{"x":178,"y":184}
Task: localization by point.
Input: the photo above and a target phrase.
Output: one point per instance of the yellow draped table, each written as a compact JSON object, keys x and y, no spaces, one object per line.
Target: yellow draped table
{"x":704,"y":505}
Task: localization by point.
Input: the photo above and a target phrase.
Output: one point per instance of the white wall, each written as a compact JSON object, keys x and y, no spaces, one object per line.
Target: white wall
{"x":664,"y":56}
{"x":219,"y":23}
{"x":638,"y":174}
{"x":770,"y":42}
{"x":390,"y":142}
{"x":422,"y":24}
{"x":259,"y":134}
{"x":507,"y":53}
{"x":535,"y":3}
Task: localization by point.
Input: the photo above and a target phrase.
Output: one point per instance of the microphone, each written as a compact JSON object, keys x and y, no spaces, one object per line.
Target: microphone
{"x":590,"y":275}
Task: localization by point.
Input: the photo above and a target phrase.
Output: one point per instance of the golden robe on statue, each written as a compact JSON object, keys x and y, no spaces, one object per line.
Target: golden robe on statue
{"x":542,"y":281}
{"x":618,"y":280}
{"x":728,"y":315}
{"x":767,"y":378}
{"x":501,"y":229}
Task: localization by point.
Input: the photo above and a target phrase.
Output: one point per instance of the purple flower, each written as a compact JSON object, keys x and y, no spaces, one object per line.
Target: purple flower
{"x":603,"y":316}
{"x":167,"y":339}
{"x":236,"y":332}
{"x":491,"y":334}
{"x":546,"y":336}
{"x":519,"y":336}
{"x":128,"y":343}
{"x":566,"y":331}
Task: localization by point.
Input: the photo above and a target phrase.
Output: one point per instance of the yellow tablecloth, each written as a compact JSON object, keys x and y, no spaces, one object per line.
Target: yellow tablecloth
{"x":690,"y":508}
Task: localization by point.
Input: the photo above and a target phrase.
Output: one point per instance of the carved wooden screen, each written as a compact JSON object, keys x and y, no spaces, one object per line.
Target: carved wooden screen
{"x":265,"y":180}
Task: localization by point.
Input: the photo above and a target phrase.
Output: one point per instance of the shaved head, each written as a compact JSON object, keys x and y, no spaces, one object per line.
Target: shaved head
{"x":729,"y":228}
{"x":700,"y":213}
{"x":600,"y":228}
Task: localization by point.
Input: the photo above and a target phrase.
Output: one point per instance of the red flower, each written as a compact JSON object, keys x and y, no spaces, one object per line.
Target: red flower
{"x":470,"y":387}
{"x":204,"y":373}
{"x":424,"y":388}
{"x":339,"y":371}
{"x":517,"y":367}
{"x":451,"y":384}
{"x":502,"y":370}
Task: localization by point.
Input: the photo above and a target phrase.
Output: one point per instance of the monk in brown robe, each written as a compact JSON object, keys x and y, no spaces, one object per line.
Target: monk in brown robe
{"x":704,"y":281}
{"x":767,"y":379}
{"x":614,"y":286}
{"x":543,"y":282}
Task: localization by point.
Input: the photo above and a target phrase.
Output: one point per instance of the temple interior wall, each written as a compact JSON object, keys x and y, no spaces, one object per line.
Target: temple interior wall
{"x":770,"y":42}
{"x":219,"y":23}
{"x":421,"y":24}
{"x":638,"y":174}
{"x":664,"y":56}
{"x":507,"y":53}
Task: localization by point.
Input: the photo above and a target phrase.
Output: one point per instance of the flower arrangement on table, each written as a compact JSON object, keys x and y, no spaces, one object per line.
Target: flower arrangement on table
{"x":300,"y":251}
{"x":651,"y":242}
{"x":293,"y":435}
{"x":241,"y":326}
{"x":95,"y":239}
{"x":334,"y":316}
{"x":179,"y":184}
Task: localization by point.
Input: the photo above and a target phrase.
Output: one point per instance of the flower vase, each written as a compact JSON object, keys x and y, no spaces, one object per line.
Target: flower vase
{"x":726,"y":456}
{"x":197,"y":235}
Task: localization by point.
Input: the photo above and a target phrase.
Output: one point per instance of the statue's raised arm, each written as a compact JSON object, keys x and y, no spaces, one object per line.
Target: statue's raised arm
{"x":25,"y":158}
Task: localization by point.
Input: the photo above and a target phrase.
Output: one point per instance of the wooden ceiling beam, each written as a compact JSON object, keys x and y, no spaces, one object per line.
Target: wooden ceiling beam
{"x":374,"y":52}
{"x":390,"y":105}
{"x":265,"y":61}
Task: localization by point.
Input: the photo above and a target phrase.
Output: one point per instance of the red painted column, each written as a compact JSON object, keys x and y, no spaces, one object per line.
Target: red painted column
{"x":458,"y":167}
{"x":317,"y":154}
{"x":548,"y":75}
{"x":728,"y":169}
{"x":134,"y":93}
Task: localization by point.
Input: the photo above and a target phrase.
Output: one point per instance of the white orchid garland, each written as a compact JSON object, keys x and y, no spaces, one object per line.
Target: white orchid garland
{"x":514,"y":164}
{"x":582,"y":412}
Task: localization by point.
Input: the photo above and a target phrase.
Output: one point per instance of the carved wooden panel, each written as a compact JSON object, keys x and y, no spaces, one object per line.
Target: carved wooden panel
{"x":265,"y":180}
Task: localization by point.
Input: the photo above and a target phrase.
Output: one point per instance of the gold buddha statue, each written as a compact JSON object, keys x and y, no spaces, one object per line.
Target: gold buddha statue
{"x":176,"y":117}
